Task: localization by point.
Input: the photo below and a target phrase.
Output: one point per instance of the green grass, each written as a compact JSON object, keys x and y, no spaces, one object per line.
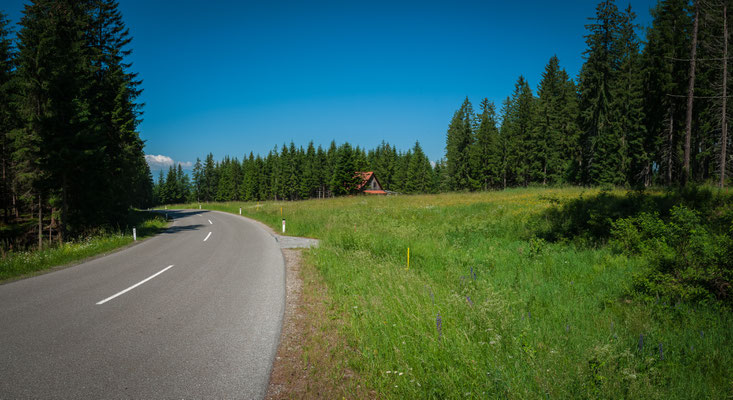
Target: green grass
{"x":544,"y":320}
{"x":18,"y":264}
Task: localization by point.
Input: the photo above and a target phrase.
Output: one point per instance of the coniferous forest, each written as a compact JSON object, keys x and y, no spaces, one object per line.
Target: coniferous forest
{"x":644,"y":111}
{"x":648,"y":108}
{"x":72,"y":159}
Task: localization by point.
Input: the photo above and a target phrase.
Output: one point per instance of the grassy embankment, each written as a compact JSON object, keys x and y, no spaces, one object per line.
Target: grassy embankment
{"x":487,"y":310}
{"x":22,"y":263}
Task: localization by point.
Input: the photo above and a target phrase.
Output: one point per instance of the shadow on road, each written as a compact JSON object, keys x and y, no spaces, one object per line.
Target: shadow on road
{"x":182,"y":228}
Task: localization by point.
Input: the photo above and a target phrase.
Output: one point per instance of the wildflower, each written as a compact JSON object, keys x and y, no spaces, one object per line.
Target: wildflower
{"x":473,"y":274}
{"x":439,"y":325}
{"x":661,"y":354}
{"x":401,"y":373}
{"x":468,"y":298}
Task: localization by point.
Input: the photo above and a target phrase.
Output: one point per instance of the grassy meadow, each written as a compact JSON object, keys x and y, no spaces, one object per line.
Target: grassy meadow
{"x":489,"y":310}
{"x":15,"y":264}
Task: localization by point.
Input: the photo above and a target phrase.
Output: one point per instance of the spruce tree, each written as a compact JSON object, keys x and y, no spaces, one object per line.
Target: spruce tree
{"x":8,"y":113}
{"x":517,"y":123}
{"x":602,"y":159}
{"x":459,"y":140}
{"x":419,"y":173}
{"x":344,"y":179}
{"x":664,"y":81}
{"x":628,"y":106}
{"x":485,"y":155}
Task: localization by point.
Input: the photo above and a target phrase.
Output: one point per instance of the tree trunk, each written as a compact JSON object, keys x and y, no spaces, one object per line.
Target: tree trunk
{"x":64,"y":208}
{"x":5,"y":190}
{"x":15,"y":206}
{"x":670,"y":144}
{"x":690,"y":94}
{"x":724,"y":116}
{"x":40,"y":223}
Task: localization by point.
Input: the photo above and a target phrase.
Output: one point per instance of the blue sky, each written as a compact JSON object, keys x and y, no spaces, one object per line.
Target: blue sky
{"x":230,"y":77}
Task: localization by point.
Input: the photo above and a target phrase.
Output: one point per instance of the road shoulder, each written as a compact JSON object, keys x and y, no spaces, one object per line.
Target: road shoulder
{"x":310,"y":360}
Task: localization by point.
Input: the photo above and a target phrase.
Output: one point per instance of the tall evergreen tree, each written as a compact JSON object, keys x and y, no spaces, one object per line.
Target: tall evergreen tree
{"x":8,"y":113}
{"x":344,"y":179}
{"x":459,"y":140}
{"x":664,"y":79}
{"x":420,"y":173}
{"x":485,"y":153}
{"x":628,"y":105}
{"x":601,"y":141}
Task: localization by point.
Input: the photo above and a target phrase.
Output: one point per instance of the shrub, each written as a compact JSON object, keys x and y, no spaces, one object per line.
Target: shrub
{"x":688,"y":261}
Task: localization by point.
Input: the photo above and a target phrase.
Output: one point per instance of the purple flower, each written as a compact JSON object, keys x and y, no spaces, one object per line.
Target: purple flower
{"x":439,"y":325}
{"x":473,"y":274}
{"x":661,"y":353}
{"x":469,"y":300}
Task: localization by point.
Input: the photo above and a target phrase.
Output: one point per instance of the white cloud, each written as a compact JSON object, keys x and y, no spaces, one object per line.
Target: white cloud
{"x":161,"y":162}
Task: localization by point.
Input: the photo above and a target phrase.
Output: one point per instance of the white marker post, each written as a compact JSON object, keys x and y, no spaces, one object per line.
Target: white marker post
{"x":240,"y":210}
{"x":199,"y":206}
{"x":134,"y":235}
{"x":283,"y":225}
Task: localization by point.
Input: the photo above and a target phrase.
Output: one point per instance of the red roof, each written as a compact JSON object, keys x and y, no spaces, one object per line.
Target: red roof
{"x":375,"y":192}
{"x":365,"y":176}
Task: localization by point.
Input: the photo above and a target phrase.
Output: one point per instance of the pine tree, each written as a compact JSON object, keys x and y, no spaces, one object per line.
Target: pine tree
{"x":547,"y":142}
{"x":309,"y":179}
{"x":51,"y":149}
{"x":628,"y":106}
{"x":8,"y":113}
{"x":209,"y":181}
{"x":664,"y":80}
{"x":602,"y":159}
{"x":198,"y":179}
{"x":344,"y":179}
{"x":517,"y":123}
{"x":459,"y":140}
{"x":485,"y":156}
{"x":420,"y":173}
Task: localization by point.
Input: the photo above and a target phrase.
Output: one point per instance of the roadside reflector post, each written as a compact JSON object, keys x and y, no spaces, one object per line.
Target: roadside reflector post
{"x":240,"y":210}
{"x":283,"y":225}
{"x":134,"y":235}
{"x":199,"y":206}
{"x":281,"y":211}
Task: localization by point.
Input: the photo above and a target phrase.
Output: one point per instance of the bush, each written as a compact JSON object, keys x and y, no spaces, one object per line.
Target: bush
{"x":688,"y":260}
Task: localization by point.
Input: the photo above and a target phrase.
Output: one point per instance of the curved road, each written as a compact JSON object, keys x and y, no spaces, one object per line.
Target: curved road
{"x":194,"y":312}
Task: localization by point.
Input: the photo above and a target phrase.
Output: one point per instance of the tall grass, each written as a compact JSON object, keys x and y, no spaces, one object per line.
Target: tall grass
{"x":488,"y":310}
{"x":16,"y":264}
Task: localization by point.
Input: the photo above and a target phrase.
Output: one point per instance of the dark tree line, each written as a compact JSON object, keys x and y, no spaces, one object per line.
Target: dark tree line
{"x":295,"y":173}
{"x":639,"y":113}
{"x":70,"y":152}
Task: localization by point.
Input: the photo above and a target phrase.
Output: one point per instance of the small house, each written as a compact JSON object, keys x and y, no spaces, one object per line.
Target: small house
{"x":369,"y":184}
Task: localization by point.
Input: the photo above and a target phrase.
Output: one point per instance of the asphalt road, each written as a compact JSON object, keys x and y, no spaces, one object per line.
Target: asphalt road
{"x":197,"y":314}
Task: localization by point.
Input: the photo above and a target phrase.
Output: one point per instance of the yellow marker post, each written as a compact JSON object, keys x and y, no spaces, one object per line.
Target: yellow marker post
{"x":408,"y":259}
{"x":281,"y":211}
